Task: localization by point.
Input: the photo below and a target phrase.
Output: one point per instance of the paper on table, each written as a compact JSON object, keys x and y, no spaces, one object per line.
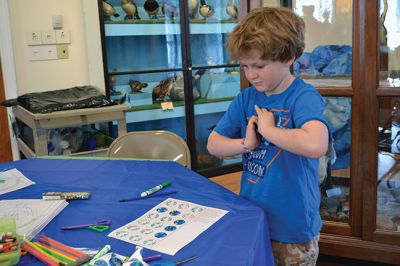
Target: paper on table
{"x":169,"y":226}
{"x":31,"y":215}
{"x":13,"y":180}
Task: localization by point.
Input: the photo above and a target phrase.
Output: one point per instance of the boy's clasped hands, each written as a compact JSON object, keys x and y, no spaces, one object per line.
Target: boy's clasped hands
{"x":258,"y":125}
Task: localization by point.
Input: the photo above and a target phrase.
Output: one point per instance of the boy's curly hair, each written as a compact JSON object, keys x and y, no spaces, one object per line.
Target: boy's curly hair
{"x":276,"y":32}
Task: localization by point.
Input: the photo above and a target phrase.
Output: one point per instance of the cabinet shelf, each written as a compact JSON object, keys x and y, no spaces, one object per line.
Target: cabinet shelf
{"x":140,"y":29}
{"x":178,"y":111}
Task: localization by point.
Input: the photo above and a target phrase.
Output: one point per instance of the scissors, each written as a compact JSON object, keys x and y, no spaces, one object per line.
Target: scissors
{"x":178,"y":262}
{"x":99,"y":226}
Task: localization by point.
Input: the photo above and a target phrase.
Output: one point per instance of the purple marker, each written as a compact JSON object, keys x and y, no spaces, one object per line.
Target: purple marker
{"x":152,"y":257}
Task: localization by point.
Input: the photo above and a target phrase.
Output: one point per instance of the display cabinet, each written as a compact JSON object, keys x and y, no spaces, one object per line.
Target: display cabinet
{"x":352,"y":57}
{"x":167,"y":60}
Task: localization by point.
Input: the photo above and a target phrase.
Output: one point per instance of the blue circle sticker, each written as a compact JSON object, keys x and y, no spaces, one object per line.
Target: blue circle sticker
{"x":179,"y":222}
{"x":174,"y":213}
{"x":170,"y":228}
{"x":160,"y":235}
{"x":162,"y":209}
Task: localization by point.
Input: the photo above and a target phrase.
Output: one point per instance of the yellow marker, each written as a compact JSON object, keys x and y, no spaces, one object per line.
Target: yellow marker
{"x":41,"y":251}
{"x":54,"y":253}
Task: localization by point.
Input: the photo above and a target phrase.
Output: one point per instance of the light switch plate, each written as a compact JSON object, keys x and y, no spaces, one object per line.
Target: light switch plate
{"x":34,"y":37}
{"x":48,"y":37}
{"x":63,"y":36}
{"x":62,"y":52}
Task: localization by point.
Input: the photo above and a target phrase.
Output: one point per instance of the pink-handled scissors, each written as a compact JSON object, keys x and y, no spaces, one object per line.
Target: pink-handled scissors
{"x":99,"y":226}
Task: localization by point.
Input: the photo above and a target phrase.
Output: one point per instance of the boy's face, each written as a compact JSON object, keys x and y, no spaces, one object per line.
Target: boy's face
{"x":267,"y":76}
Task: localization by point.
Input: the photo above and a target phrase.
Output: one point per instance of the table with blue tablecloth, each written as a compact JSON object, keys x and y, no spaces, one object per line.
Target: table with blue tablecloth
{"x":239,"y":238}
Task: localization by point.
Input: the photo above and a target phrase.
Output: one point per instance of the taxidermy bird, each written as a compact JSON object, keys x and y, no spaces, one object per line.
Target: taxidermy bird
{"x":206,"y":10}
{"x":112,"y":81}
{"x":130,"y":8}
{"x":232,"y":10}
{"x":177,"y":91}
{"x":136,"y":86}
{"x":161,"y":90}
{"x":151,"y":7}
{"x":192,"y":7}
{"x":169,"y":9}
{"x":109,"y":11}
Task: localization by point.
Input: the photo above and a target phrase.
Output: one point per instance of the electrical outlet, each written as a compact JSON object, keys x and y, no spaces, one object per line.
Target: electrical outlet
{"x":62,"y":52}
{"x":35,"y":53}
{"x":62,"y":36}
{"x":42,"y":52}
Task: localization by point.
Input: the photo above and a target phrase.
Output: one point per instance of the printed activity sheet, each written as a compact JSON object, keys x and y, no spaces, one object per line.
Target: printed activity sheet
{"x":12,"y":180}
{"x":169,"y":226}
{"x":31,"y":215}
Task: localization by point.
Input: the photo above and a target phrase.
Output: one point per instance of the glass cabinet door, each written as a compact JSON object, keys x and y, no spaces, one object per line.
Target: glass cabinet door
{"x":171,"y":67}
{"x":388,"y":176}
{"x":216,"y":77}
{"x":326,"y":63}
{"x":143,"y":59}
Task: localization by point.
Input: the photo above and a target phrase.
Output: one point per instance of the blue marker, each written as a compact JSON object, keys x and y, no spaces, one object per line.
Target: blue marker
{"x":151,"y":196}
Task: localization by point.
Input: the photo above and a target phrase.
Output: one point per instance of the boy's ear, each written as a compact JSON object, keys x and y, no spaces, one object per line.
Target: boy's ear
{"x":291,"y":61}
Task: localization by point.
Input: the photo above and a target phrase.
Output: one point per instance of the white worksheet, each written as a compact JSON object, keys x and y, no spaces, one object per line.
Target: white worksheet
{"x":31,"y":215}
{"x":12,"y":180}
{"x":169,"y":226}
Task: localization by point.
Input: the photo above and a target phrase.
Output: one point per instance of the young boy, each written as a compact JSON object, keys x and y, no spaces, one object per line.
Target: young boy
{"x":278,"y":126}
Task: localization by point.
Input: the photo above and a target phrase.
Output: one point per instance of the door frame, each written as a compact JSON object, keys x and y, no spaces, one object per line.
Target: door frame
{"x":7,"y":62}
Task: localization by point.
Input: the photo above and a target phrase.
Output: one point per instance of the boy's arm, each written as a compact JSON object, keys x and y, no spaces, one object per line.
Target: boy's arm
{"x":222,"y":146}
{"x":311,"y":140}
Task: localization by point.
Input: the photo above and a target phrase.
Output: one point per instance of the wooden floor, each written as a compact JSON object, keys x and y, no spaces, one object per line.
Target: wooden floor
{"x":232,"y":182}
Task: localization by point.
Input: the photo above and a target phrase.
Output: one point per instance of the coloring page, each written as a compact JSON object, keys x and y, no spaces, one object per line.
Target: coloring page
{"x":31,"y":215}
{"x":12,"y":180}
{"x":169,"y":226}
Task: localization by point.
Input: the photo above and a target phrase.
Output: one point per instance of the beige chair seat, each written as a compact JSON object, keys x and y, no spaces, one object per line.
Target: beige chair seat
{"x":158,"y":144}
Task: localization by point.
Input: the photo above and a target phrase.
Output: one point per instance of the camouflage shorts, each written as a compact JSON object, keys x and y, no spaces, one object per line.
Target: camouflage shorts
{"x":296,"y":254}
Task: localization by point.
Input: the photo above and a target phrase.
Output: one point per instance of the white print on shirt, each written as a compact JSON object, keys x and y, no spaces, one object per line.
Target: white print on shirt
{"x":258,"y":161}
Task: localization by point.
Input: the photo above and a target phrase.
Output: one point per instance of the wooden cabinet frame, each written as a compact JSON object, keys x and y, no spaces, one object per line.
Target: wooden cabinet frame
{"x":360,"y":239}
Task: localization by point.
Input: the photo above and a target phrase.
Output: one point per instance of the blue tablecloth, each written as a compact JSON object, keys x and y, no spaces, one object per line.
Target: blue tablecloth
{"x":240,"y":238}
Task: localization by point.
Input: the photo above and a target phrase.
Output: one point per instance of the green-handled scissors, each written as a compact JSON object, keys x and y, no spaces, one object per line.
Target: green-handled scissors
{"x":100,"y":226}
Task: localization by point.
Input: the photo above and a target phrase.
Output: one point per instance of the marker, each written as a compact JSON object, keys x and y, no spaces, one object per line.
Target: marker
{"x":101,"y":253}
{"x":151,"y":196}
{"x":155,"y":189}
{"x":152,"y":258}
{"x":40,"y":256}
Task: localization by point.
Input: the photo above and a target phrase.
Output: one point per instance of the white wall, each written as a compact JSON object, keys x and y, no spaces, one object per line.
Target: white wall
{"x":337,"y":31}
{"x":84,"y":66}
{"x":36,"y":15}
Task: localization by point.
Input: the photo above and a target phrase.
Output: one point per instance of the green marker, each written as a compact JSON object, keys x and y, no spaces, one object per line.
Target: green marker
{"x":155,"y":189}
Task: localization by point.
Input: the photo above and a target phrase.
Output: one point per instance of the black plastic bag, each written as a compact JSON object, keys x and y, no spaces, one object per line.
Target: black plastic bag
{"x":59,"y":100}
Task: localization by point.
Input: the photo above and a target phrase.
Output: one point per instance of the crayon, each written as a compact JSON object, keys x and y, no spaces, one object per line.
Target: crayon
{"x":66,"y":195}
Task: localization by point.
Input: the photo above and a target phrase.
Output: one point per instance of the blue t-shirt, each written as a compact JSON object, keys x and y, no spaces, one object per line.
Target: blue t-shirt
{"x":284,"y":184}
